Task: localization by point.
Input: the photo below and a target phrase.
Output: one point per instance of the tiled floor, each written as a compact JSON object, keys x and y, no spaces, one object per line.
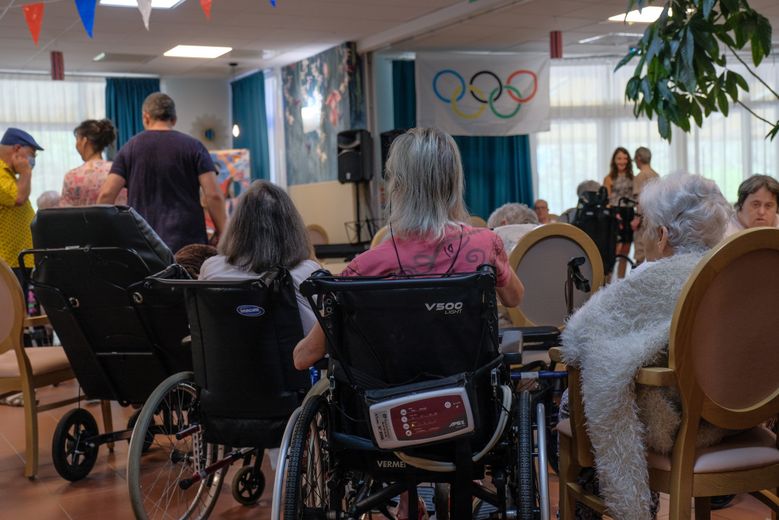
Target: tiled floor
{"x":103,"y":494}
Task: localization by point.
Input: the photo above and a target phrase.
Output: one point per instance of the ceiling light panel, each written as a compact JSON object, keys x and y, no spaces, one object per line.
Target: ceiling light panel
{"x":155,"y":4}
{"x":196,"y":51}
{"x":647,"y":15}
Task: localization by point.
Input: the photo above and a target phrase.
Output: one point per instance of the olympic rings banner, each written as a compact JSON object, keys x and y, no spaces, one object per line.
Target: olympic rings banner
{"x":466,"y":94}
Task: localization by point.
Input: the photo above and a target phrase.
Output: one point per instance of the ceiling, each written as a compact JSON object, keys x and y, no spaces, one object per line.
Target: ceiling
{"x":263,"y":36}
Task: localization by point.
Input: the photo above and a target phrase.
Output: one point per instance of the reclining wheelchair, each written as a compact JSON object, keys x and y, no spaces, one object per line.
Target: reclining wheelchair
{"x":416,"y":391}
{"x":120,"y":337}
{"x":233,"y":406}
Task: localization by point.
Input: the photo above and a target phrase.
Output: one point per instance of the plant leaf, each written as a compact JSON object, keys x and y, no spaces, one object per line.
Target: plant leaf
{"x":722,"y":101}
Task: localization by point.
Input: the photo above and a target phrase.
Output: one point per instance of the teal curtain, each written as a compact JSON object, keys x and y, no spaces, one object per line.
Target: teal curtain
{"x":123,"y":101}
{"x":497,"y":169}
{"x":249,"y":115}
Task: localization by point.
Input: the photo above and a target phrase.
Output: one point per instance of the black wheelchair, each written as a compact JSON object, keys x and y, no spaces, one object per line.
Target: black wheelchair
{"x":416,"y":391}
{"x":234,"y":405}
{"x":121,"y":338}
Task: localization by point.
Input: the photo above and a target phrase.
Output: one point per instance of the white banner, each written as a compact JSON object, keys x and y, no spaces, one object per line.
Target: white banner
{"x":467,"y":94}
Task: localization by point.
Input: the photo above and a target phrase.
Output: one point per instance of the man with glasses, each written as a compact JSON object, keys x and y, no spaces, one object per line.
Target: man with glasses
{"x":17,"y":159}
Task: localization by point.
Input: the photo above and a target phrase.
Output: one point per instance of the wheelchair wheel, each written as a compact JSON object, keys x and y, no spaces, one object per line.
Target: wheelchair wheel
{"x":306,"y":490}
{"x":525,"y":483}
{"x":248,"y":485}
{"x":156,"y":477}
{"x":73,"y":457}
{"x":131,"y":425}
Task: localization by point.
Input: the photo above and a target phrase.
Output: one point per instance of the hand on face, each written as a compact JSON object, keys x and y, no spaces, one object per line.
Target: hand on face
{"x":23,"y":160}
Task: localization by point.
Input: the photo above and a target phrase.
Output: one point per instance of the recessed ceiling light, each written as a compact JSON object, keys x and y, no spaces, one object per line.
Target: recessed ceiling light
{"x":646,"y":15}
{"x":196,"y":51}
{"x":99,"y":57}
{"x":155,"y":4}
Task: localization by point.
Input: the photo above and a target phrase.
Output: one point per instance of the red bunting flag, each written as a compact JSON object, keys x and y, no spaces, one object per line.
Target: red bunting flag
{"x":33,"y":13}
{"x":206,"y":5}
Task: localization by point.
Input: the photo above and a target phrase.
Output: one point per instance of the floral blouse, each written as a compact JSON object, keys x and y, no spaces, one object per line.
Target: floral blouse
{"x":81,"y":185}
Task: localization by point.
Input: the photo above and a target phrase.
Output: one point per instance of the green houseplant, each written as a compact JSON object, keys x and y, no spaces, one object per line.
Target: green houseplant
{"x":683,"y":57}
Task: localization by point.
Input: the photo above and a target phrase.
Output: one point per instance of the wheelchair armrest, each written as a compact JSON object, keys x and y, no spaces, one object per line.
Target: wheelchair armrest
{"x":656,"y":376}
{"x":512,"y":358}
{"x":556,"y":354}
{"x":36,"y":321}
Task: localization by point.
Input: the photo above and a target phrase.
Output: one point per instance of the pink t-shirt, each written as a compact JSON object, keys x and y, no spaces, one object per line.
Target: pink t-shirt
{"x":462,"y":250}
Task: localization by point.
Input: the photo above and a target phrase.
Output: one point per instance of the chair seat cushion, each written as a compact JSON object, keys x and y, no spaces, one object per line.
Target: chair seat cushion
{"x":43,"y":360}
{"x":751,"y":449}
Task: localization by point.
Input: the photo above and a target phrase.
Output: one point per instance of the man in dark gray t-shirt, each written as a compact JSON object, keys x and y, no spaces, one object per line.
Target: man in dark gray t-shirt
{"x":164,"y":171}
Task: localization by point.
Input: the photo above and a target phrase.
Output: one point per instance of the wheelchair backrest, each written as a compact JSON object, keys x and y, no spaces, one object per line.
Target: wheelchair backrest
{"x":243,"y":334}
{"x":87,"y":260}
{"x":395,"y":331}
{"x":595,"y":217}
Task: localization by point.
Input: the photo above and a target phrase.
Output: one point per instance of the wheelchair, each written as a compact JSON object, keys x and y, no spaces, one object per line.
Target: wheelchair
{"x":121,"y":338}
{"x":416,"y":391}
{"x":234,"y":404}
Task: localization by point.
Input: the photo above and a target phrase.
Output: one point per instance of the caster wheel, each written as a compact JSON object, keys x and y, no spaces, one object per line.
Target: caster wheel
{"x":248,"y":485}
{"x":73,"y":457}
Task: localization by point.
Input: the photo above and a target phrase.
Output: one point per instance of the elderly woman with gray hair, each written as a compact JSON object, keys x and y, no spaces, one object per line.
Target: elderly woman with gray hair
{"x":511,"y":222}
{"x":265,"y":231}
{"x":626,"y":325}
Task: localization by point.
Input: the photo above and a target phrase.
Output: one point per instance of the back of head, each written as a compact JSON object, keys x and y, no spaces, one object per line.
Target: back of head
{"x":691,"y":207}
{"x":265,"y":230}
{"x":512,"y":213}
{"x":753,"y":184}
{"x":191,"y":257}
{"x":48,"y":199}
{"x":160,"y":107}
{"x":100,"y":134}
{"x":425,"y":183}
{"x":587,"y":186}
{"x":643,"y":154}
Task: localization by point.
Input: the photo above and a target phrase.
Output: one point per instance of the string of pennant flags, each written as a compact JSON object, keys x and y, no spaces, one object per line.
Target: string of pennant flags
{"x":33,"y":14}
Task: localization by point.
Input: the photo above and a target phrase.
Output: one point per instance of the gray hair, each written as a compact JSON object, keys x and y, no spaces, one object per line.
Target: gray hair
{"x":265,"y":231}
{"x":160,"y":107}
{"x":643,"y":154}
{"x":426,"y":183}
{"x":512,"y":213}
{"x":691,"y":207}
{"x":48,"y":199}
{"x":586,"y":186}
{"x":753,"y":184}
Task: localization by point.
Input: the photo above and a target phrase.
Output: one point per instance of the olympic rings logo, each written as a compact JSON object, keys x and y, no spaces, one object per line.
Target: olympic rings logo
{"x":479,"y":96}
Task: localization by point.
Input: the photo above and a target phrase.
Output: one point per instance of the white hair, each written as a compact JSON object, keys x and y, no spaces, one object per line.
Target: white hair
{"x":690,"y":207}
{"x":48,"y":199}
{"x":512,"y":213}
{"x":426,"y":183}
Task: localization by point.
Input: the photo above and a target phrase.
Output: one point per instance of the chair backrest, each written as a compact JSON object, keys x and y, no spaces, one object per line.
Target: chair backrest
{"x":87,"y":262}
{"x":317,"y":235}
{"x":379,"y":237}
{"x":12,"y":303}
{"x":243,"y":335}
{"x":540,"y":259}
{"x":477,"y":221}
{"x":724,"y":347}
{"x":403,"y":330}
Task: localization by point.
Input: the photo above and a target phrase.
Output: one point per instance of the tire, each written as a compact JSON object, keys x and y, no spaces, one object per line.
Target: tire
{"x":441,"y":501}
{"x":248,"y":485}
{"x":526,"y":495}
{"x":149,"y":434}
{"x":153,"y":476}
{"x":73,"y":457}
{"x":307,"y":494}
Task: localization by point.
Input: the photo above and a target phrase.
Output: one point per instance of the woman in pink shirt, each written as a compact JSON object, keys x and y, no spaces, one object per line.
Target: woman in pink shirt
{"x":428,"y":234}
{"x":82,"y":185}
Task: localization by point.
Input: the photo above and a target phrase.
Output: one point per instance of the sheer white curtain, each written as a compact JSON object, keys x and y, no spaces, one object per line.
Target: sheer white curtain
{"x":590,"y":118}
{"x":50,"y":110}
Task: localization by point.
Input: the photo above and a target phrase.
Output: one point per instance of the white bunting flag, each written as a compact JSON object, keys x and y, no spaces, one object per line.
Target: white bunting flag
{"x":144,"y":6}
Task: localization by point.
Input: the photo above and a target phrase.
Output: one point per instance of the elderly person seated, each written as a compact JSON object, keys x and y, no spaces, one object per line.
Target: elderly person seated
{"x":569,"y":216}
{"x":756,"y":204}
{"x":264,"y":232}
{"x":626,"y":325}
{"x":511,"y":222}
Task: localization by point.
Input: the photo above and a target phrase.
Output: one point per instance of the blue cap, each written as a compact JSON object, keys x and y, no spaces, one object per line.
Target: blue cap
{"x":14,"y":136}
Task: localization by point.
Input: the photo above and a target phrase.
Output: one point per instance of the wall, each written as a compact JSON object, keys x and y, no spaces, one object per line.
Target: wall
{"x":201,"y":104}
{"x":329,"y":204}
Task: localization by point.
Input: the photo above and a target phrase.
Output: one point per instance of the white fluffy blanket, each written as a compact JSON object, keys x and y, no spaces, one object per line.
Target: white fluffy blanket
{"x":623,"y":327}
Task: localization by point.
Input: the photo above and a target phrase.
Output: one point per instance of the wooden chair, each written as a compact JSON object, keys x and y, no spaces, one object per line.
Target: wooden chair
{"x":540,"y":259}
{"x":26,"y":369}
{"x":723,"y":361}
{"x":379,"y":237}
{"x":477,"y":221}
{"x":317,"y":235}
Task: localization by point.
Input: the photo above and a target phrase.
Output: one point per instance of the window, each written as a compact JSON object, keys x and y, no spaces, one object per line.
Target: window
{"x":50,"y":110}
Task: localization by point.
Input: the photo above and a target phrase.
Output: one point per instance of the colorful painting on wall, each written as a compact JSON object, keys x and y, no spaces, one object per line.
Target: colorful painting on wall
{"x":322,"y":96}
{"x":232,"y":173}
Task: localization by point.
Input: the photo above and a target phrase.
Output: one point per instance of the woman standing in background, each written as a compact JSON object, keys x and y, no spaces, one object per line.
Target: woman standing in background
{"x":619,"y":184}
